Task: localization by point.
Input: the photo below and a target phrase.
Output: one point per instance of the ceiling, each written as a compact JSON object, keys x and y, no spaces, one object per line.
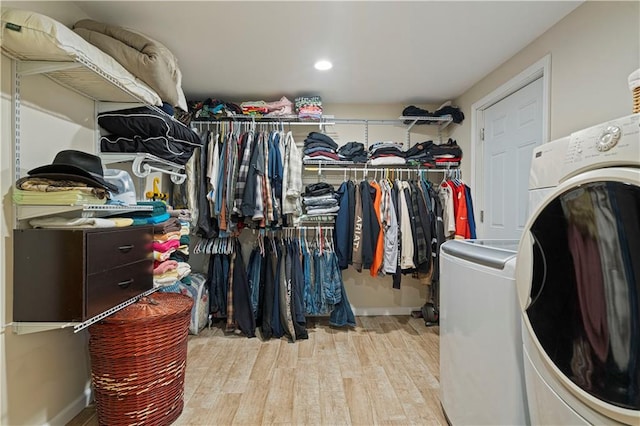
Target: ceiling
{"x":382,"y":52}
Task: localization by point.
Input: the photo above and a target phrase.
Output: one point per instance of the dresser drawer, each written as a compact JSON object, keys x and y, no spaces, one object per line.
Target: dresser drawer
{"x":112,"y":249}
{"x":110,"y":288}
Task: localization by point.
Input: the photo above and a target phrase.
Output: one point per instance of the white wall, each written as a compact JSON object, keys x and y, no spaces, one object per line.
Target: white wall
{"x":44,"y":375}
{"x":593,"y":51}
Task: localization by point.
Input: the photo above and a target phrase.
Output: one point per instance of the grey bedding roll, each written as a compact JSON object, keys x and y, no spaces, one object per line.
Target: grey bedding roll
{"x":147,"y":59}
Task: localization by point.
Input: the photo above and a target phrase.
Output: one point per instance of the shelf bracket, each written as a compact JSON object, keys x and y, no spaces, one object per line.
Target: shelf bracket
{"x":43,"y":67}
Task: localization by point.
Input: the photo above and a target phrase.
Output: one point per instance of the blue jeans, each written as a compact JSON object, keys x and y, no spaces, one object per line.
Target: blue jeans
{"x":309,"y":299}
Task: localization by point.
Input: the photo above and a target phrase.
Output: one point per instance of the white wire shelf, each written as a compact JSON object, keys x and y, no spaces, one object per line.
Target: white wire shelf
{"x":31,"y":211}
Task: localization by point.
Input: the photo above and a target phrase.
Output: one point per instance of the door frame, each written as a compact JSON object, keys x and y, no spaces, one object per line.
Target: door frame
{"x":540,"y":69}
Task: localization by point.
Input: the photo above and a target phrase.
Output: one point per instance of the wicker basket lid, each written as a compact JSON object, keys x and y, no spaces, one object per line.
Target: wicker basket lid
{"x":153,"y":306}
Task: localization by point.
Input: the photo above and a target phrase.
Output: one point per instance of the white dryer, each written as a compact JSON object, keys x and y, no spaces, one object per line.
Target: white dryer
{"x":578,"y":279}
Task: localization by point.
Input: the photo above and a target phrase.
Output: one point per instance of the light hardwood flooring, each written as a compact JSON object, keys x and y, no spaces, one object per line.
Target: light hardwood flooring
{"x":385,"y":371}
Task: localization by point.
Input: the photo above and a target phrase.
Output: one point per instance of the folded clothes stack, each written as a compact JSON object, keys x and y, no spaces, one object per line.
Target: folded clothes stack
{"x":254,"y":108}
{"x":211,"y":109}
{"x":279,"y":108}
{"x":420,"y":154}
{"x":167,"y":240}
{"x":320,"y":199}
{"x":353,"y":151}
{"x":447,"y":154}
{"x":309,"y":107}
{"x":74,"y":178}
{"x":318,"y":146}
{"x":386,"y":154}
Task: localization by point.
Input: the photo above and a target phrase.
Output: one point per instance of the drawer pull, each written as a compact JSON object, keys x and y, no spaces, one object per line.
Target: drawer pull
{"x":125,"y":284}
{"x":126,"y":249}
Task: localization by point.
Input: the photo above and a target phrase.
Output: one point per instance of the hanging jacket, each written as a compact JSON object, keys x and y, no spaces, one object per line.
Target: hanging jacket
{"x":357,"y":230}
{"x":352,"y":215}
{"x":407,"y":245}
{"x":204,"y":226}
{"x":341,"y":234}
{"x":256,"y":169}
{"x":423,"y":228}
{"x":390,"y":224}
{"x":370,"y":227}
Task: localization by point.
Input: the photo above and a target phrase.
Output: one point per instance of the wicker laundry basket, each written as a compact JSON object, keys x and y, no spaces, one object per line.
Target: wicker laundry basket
{"x":138,"y":360}
{"x":634,"y":86}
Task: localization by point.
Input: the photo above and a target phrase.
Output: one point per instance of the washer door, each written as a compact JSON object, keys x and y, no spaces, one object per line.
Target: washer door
{"x":579,"y":287}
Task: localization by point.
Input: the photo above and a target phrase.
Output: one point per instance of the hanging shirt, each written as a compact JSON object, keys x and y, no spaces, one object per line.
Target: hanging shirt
{"x":212,"y":171}
{"x":406,"y":255}
{"x":390,"y":226}
{"x":460,"y":208}
{"x":378,"y":253}
{"x":445,"y":193}
{"x":291,"y":178}
{"x":245,"y":149}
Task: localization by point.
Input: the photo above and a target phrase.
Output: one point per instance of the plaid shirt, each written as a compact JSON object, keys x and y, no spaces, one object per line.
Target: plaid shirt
{"x":292,"y":180}
{"x":420,"y":255}
{"x":243,"y":170}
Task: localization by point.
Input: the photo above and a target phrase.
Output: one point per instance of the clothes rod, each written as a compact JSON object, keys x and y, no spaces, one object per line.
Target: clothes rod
{"x":303,"y":228}
{"x":374,"y":169}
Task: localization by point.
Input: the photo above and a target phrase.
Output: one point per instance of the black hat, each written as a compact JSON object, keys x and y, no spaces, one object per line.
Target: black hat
{"x":75,"y":165}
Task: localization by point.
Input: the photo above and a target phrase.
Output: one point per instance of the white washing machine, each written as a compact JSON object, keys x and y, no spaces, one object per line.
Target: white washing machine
{"x":481,"y":369}
{"x":578,"y":280}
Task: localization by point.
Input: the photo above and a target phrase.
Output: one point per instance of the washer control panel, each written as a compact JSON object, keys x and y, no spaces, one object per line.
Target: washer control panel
{"x":614,"y":143}
{"x":608,"y":138}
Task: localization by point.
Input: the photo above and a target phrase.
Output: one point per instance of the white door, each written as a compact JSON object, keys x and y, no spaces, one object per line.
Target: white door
{"x":512,"y":128}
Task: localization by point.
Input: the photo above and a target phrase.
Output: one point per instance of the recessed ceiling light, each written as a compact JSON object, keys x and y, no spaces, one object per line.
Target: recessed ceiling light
{"x":323,"y":65}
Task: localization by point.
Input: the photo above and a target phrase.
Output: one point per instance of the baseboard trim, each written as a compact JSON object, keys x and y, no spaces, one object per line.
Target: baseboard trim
{"x":395,"y":310}
{"x":71,"y":410}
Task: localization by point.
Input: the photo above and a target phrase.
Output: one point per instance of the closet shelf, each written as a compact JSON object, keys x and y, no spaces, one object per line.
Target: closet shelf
{"x":31,"y":211}
{"x":36,"y":327}
{"x":88,"y":79}
{"x":442,"y":122}
{"x":144,"y":164}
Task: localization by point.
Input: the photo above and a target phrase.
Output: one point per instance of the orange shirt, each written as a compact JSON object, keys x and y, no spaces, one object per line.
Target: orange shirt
{"x":378,"y":253}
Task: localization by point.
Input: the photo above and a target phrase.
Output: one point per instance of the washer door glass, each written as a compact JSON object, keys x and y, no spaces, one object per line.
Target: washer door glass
{"x":586,"y":288}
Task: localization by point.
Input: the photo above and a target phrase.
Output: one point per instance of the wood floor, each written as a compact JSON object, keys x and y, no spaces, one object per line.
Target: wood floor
{"x":385,"y":371}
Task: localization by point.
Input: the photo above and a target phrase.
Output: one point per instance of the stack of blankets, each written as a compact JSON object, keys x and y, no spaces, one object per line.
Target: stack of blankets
{"x":318,"y":146}
{"x":447,"y":154}
{"x":170,"y":252}
{"x":309,"y":107}
{"x":320,"y":199}
{"x":386,"y":154}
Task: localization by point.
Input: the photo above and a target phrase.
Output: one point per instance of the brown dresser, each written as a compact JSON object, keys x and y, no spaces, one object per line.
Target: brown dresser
{"x":73,"y":275}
